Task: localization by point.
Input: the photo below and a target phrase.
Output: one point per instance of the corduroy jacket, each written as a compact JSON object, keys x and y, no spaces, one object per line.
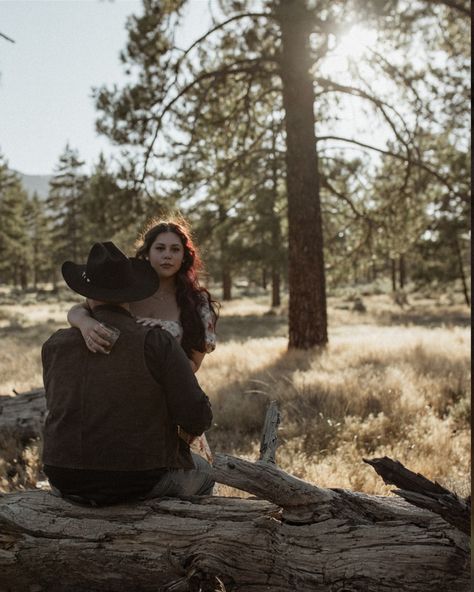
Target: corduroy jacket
{"x":108,"y":412}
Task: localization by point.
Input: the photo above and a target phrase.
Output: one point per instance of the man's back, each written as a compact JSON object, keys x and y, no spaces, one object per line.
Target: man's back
{"x":110,"y":412}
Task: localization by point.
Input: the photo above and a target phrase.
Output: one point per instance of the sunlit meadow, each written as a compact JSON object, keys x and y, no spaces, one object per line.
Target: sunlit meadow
{"x":393,"y":381}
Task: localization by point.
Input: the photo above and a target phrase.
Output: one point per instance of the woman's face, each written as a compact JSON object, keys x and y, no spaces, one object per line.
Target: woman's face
{"x":166,"y":254}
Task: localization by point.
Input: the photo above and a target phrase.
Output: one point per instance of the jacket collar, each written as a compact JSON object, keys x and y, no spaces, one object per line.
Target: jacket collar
{"x":113,"y":308}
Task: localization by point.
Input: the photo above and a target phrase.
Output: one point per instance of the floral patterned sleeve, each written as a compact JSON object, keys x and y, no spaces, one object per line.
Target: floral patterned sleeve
{"x":209,"y":325}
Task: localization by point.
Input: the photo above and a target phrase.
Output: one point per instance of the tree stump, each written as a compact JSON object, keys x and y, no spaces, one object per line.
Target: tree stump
{"x":296,"y":536}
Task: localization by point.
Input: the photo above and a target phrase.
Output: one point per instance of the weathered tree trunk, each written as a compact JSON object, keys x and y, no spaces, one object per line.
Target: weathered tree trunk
{"x":462,"y":273}
{"x":304,"y":538}
{"x":276,"y":299}
{"x":402,"y":271}
{"x":393,"y":269}
{"x":276,"y":237}
{"x":23,"y":415}
{"x":224,"y":248}
{"x":226,"y":285}
{"x":296,"y":537}
{"x":307,"y":305}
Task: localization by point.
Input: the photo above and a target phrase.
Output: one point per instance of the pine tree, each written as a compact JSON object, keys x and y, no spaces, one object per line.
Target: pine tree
{"x":252,"y":50}
{"x":66,"y":200}
{"x":14,"y":244}
{"x":41,"y":256}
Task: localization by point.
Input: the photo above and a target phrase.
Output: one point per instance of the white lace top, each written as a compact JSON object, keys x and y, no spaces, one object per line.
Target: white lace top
{"x":176,"y":329}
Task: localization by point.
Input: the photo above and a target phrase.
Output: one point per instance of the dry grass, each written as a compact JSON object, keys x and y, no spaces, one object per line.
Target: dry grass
{"x":379,"y":388}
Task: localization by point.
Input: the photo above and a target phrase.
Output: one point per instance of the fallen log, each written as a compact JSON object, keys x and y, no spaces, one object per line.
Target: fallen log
{"x":23,"y":415}
{"x":297,"y":536}
{"x":422,"y":492}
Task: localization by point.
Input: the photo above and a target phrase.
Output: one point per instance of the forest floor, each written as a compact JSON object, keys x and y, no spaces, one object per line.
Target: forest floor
{"x":393,"y":381}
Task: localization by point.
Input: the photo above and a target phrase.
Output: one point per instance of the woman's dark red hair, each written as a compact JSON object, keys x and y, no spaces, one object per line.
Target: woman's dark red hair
{"x":189,"y":294}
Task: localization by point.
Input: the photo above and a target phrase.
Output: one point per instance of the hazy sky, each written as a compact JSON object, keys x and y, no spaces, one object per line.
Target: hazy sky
{"x":65,"y":47}
{"x":62,"y":49}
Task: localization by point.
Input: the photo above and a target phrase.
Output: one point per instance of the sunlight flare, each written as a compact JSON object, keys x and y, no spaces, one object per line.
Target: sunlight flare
{"x":351,"y":45}
{"x":355,"y":42}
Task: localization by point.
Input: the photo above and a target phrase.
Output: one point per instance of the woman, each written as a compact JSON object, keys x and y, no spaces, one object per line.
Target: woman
{"x":180,"y":305}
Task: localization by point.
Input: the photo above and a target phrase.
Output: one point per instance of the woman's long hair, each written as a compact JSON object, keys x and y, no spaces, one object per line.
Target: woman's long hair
{"x":189,"y":294}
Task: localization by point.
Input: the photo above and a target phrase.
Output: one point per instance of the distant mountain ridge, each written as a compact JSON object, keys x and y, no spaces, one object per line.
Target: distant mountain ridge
{"x":36,"y":183}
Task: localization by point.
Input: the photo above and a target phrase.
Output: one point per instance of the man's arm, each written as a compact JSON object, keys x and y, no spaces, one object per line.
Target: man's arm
{"x":188,"y":405}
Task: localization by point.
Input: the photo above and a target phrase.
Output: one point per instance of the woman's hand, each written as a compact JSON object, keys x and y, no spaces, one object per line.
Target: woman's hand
{"x":149,"y":322}
{"x":95,"y":335}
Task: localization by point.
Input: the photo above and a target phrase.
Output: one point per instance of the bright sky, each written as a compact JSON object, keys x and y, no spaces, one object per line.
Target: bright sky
{"x":62,"y":49}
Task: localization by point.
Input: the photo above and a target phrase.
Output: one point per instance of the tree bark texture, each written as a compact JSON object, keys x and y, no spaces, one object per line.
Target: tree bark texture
{"x":276,"y":234}
{"x":462,"y":273}
{"x":23,"y":415}
{"x":293,"y":536}
{"x":307,"y":305}
{"x":226,"y":285}
{"x":301,"y":538}
{"x":402,"y":270}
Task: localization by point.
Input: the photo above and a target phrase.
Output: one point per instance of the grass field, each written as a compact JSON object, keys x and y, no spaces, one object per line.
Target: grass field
{"x":393,"y":381}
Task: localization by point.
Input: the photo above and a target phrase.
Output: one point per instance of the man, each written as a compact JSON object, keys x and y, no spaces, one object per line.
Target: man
{"x":111,"y":432}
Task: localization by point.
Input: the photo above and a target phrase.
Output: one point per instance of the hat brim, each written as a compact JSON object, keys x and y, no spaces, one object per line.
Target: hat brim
{"x":144,"y":283}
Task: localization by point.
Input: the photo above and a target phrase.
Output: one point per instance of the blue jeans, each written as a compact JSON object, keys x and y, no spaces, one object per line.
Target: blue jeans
{"x":173,"y":483}
{"x":181,"y":482}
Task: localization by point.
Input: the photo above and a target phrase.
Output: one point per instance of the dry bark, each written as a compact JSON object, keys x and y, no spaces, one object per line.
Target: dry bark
{"x":421,"y":492}
{"x":301,"y":537}
{"x":23,"y":415}
{"x":297,"y":536}
{"x":307,"y":312}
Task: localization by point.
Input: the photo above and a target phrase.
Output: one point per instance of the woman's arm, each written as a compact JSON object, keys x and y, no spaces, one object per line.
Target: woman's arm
{"x":196,"y":360}
{"x":93,"y":332}
{"x":196,"y":356}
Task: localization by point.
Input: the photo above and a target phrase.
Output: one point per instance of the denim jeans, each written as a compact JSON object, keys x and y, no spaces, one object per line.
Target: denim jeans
{"x":181,"y":482}
{"x":173,"y":483}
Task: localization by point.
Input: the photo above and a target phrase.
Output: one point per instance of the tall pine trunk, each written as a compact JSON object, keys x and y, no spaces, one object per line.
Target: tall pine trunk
{"x":393,"y":270}
{"x":307,"y":306}
{"x":462,"y":274}
{"x":276,"y":238}
{"x":402,"y":271}
{"x":276,"y":300}
{"x":226,"y":285}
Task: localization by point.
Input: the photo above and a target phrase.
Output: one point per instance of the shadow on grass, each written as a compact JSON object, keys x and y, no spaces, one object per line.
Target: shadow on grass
{"x":425,"y":318}
{"x":33,"y":335}
{"x":239,"y":405}
{"x":240,"y":328}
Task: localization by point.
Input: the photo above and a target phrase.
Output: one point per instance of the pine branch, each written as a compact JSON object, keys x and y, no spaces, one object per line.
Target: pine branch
{"x":454,"y":5}
{"x":325,"y":183}
{"x":332,"y":86}
{"x":7,"y":38}
{"x":221,"y":26}
{"x":414,"y":162}
{"x":253,"y":65}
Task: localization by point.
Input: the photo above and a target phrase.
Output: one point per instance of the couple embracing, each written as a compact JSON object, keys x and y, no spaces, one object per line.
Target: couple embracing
{"x":119,"y":426}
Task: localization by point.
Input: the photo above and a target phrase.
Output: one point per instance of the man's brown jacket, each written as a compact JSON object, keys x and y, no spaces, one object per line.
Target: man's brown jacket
{"x":111,"y":412}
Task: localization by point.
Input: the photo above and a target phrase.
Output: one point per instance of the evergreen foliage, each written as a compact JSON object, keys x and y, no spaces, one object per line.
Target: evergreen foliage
{"x":14,"y":248}
{"x":66,"y":200}
{"x":222,"y":131}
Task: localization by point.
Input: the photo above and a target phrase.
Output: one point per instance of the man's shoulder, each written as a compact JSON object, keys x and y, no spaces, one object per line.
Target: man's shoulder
{"x":158,"y":338}
{"x":62,"y":337}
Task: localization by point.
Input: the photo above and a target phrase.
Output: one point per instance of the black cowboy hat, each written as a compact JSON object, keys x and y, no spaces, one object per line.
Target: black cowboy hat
{"x":110,"y":276}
